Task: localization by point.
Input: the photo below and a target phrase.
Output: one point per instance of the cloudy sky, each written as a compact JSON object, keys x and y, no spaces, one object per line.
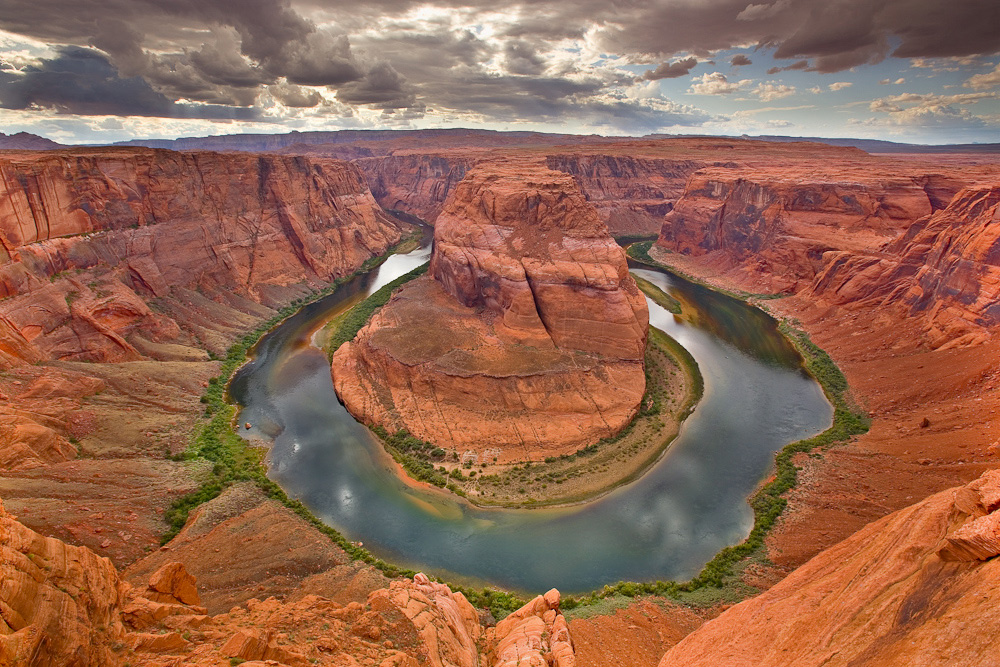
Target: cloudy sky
{"x":925,"y":71}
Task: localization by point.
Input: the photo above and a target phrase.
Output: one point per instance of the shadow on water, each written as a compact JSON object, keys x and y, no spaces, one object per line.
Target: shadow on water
{"x":665,"y":525}
{"x":751,"y":330}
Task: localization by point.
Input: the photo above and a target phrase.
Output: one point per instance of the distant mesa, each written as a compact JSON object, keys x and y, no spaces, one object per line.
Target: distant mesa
{"x":527,"y":337}
{"x":25,"y":141}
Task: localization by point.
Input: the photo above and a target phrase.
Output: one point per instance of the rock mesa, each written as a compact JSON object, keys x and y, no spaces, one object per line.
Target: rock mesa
{"x":528,"y":336}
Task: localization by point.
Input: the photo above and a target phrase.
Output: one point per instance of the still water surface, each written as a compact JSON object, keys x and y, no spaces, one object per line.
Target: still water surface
{"x":665,"y":525}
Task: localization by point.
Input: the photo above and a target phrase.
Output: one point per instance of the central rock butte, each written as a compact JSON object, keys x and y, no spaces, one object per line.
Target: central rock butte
{"x":527,"y":338}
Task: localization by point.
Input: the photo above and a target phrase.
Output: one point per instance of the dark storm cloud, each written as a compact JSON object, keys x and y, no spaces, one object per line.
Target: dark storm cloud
{"x":295,"y":96}
{"x":739,"y":60}
{"x":82,"y":81}
{"x":382,"y":87}
{"x":271,"y":37}
{"x":227,"y":52}
{"x":798,"y":64}
{"x":521,"y":58}
{"x":835,"y":34}
{"x":672,"y":71}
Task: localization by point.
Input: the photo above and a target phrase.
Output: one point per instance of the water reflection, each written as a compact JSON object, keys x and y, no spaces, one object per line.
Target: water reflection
{"x":665,"y":525}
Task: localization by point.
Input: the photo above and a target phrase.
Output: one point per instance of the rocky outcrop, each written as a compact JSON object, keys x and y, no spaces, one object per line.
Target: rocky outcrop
{"x":89,"y":237}
{"x":535,"y":634}
{"x":945,"y":271}
{"x":64,"y":606}
{"x":59,"y":604}
{"x":632,"y":194}
{"x":781,"y":224}
{"x":528,"y":337}
{"x":910,"y":589}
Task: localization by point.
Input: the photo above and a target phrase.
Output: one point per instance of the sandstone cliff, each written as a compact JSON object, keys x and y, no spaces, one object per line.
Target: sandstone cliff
{"x":914,"y":588}
{"x":778,"y":224}
{"x":89,"y":238}
{"x":944,"y":271}
{"x":417,"y":184}
{"x":528,"y":337}
{"x":631,"y":193}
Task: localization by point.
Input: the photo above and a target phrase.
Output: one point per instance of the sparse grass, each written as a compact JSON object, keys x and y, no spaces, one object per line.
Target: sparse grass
{"x":359,"y":315}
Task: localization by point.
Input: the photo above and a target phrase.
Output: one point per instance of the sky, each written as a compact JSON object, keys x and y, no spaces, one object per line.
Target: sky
{"x":96,"y":71}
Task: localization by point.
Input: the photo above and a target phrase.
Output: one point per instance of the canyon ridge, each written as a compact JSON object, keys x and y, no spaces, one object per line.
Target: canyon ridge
{"x":127,"y":274}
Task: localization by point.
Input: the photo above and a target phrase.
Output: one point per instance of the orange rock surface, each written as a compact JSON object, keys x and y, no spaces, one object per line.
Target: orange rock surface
{"x":64,"y":606}
{"x":59,"y":604}
{"x":88,"y":237}
{"x":536,"y":635}
{"x":529,"y":339}
{"x":780,"y":221}
{"x":882,"y":597}
{"x":944,"y":271}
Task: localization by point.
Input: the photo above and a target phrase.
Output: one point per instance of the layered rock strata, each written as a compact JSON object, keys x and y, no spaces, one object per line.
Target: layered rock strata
{"x":781,"y":225}
{"x":631,"y":193}
{"x":944,"y":271}
{"x":88,"y":238}
{"x":417,"y":184}
{"x":528,"y":337}
{"x":913,"y":588}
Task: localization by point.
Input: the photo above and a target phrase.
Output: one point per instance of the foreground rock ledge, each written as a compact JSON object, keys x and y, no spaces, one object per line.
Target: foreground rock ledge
{"x":527,"y":339}
{"x":65,"y":606}
{"x":915,"y":588}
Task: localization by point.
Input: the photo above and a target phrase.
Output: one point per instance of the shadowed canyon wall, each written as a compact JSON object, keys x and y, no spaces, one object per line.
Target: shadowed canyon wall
{"x":88,"y":240}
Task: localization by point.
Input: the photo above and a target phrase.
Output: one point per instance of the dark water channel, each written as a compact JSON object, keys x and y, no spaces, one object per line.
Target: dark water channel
{"x":665,"y":525}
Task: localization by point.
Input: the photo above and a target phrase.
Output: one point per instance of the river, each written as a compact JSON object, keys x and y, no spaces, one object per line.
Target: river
{"x":665,"y":525}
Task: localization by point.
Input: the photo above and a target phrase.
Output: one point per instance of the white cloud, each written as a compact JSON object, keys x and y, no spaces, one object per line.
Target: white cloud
{"x":840,"y":85}
{"x":773,"y":91}
{"x":753,"y":112}
{"x":984,"y":81}
{"x":815,"y":90}
{"x":715,"y":83}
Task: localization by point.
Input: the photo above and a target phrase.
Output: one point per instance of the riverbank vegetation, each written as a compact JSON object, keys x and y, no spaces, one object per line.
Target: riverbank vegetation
{"x":234,"y":460}
{"x":720,"y":579}
{"x":659,"y":297}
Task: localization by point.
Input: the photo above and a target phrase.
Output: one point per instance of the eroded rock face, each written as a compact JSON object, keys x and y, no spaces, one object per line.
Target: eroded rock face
{"x":89,"y":237}
{"x":64,"y":606}
{"x":632,"y":194}
{"x":535,"y":634}
{"x":523,"y":243}
{"x":417,"y":184}
{"x":944,"y":270}
{"x":781,"y":224}
{"x":59,"y":604}
{"x":527,"y":341}
{"x":910,"y":589}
